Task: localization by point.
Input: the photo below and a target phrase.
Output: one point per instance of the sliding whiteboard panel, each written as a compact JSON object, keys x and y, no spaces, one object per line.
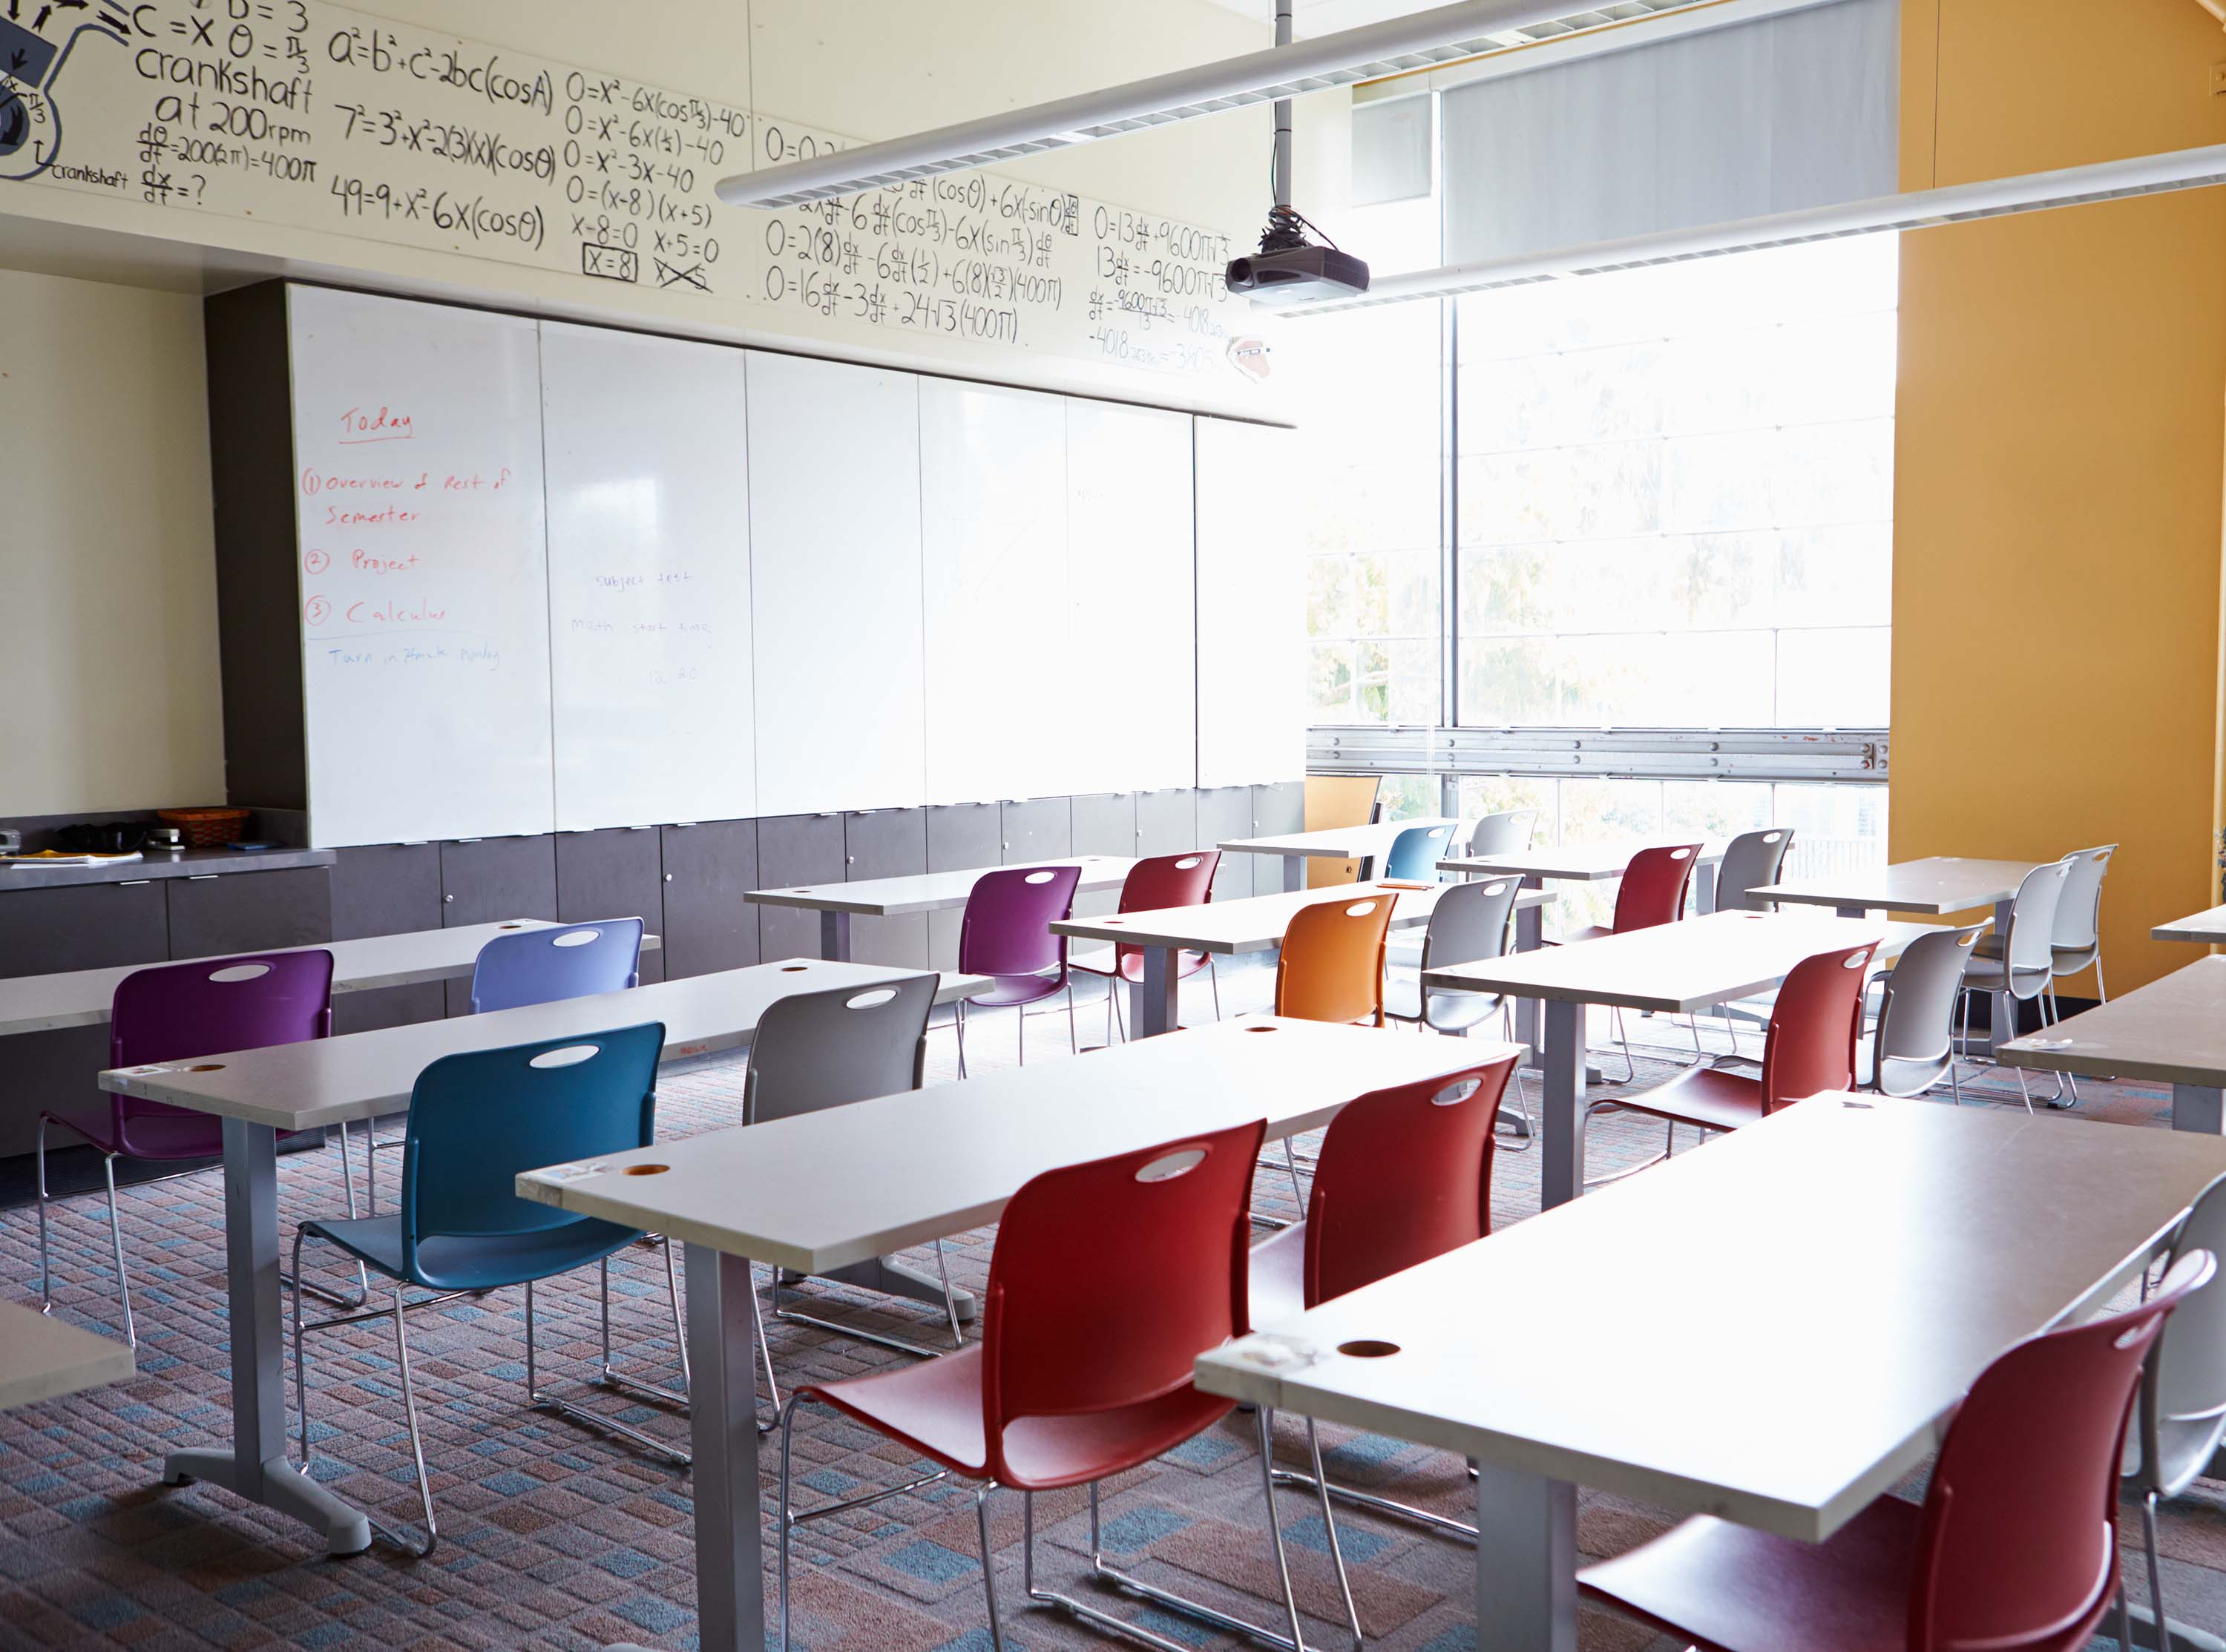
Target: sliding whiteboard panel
{"x":649,"y":578}
{"x":1129,"y":546}
{"x":1251,"y":609}
{"x":835,"y":578}
{"x":423,"y":569}
{"x":993,"y":496}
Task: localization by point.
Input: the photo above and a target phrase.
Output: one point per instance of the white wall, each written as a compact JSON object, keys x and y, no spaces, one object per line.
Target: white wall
{"x":108,"y":656}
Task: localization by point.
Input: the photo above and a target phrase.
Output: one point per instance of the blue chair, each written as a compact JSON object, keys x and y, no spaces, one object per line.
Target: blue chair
{"x":1416,"y":851}
{"x":476,"y":1120}
{"x":542,"y":966}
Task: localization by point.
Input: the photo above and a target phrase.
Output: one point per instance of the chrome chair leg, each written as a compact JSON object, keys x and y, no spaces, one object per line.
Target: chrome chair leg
{"x":592,"y":1421}
{"x":115,"y":1230}
{"x":988,"y":1562}
{"x":788,"y":1519}
{"x":417,"y":1441}
{"x":2156,"y":1572}
{"x":46,"y":1264}
{"x":959,"y":1022}
{"x":1329,"y":1525}
{"x":765,"y":1349}
{"x":115,"y":1243}
{"x":1213,"y":976}
{"x":1073,"y":1040}
{"x":610,"y":1375}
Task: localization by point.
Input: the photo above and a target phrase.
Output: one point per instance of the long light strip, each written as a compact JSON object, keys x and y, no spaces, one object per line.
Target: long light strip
{"x":2032,"y":192}
{"x":1415,"y":41}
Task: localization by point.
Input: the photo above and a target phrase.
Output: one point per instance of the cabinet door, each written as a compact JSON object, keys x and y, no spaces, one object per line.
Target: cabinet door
{"x":86,"y":926}
{"x":486,"y":880}
{"x":1037,"y":829}
{"x":1224,"y":813}
{"x":795,"y":851}
{"x":961,"y":837}
{"x":249,"y":912}
{"x":888,"y":843}
{"x":1279,"y":809}
{"x":1167,"y":821}
{"x":387,"y":889}
{"x":614,"y":873}
{"x":709,"y":867}
{"x":1104,"y":823}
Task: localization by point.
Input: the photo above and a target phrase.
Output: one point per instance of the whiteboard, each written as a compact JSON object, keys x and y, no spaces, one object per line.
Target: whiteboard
{"x":1130,"y":552}
{"x":993,"y":498}
{"x":1251,"y":609}
{"x":423,"y":569}
{"x":649,"y":578}
{"x":835,"y":579}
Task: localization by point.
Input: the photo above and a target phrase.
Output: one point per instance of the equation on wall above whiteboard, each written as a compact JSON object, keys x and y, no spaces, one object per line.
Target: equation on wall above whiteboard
{"x":314,"y":116}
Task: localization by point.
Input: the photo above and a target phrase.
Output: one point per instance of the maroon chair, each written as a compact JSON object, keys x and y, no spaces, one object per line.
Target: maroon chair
{"x":1084,"y":1369}
{"x":176,"y":1012}
{"x":2014,"y":1548}
{"x":1810,"y":1048}
{"x":1005,"y":933}
{"x":1152,"y":886}
{"x":1405,"y":1174}
{"x":1652,"y":892}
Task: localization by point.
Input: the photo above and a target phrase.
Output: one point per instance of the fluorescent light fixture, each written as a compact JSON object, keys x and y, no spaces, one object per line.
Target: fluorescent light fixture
{"x":1963,"y":203}
{"x":1415,"y":41}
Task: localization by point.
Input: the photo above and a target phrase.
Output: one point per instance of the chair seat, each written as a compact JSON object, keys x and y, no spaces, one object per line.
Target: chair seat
{"x":1704,"y":1096}
{"x":935,"y":1408}
{"x":1590,"y":932}
{"x":1989,"y":975}
{"x":1729,"y":1588}
{"x":2069,"y":960}
{"x":1277,"y":1279}
{"x":1099,"y":961}
{"x":1448,"y":1012}
{"x":460,"y":1263}
{"x":158,"y":1138}
{"x":1004,"y":991}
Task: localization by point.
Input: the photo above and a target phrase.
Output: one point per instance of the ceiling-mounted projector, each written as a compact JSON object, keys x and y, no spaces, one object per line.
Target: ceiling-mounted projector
{"x":1298,"y":274}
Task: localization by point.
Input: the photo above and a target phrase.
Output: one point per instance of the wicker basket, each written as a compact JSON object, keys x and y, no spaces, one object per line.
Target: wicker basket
{"x":205,"y":828}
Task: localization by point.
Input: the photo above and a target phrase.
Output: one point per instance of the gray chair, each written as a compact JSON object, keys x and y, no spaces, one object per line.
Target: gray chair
{"x":1751,"y":861}
{"x":2076,"y":943}
{"x":1913,"y":1047}
{"x":2181,"y":1415}
{"x":1470,"y":922}
{"x":1507,"y":832}
{"x":818,"y":1050}
{"x":2027,"y":965}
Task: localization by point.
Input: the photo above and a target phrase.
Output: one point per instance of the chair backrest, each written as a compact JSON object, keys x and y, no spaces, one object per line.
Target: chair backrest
{"x":1416,"y":851}
{"x":843,"y":1044}
{"x":1405,"y":1174}
{"x":1006,"y":927}
{"x":572,"y":961}
{"x":1164,"y":881}
{"x":174,"y":1012}
{"x":2079,"y":908}
{"x":478,"y":1118}
{"x":2183,"y":1411}
{"x":2029,"y":949}
{"x":1331,"y":966}
{"x":1814,"y":1023}
{"x":1072,"y":1325}
{"x":1653,"y":888}
{"x":2016,"y":1550}
{"x":1751,"y":861}
{"x":1334,"y":800}
{"x":1917,"y":1022}
{"x":1470,"y":922}
{"x":1507,"y":832}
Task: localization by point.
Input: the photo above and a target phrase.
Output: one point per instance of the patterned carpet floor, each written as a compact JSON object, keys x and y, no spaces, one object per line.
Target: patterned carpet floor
{"x":555,"y":1538}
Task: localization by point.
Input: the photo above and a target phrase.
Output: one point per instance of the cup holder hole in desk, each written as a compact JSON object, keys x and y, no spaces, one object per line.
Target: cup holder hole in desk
{"x":1263,"y":1029}
{"x":1365,"y":1349}
{"x":644,"y":1170}
{"x":206,"y":1066}
{"x":793,"y":969}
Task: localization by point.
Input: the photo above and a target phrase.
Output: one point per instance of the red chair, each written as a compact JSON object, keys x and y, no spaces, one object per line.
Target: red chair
{"x":1405,"y":1174}
{"x":1810,"y":1048}
{"x":1084,"y":1369}
{"x":1652,"y":892}
{"x":2014,"y":1548}
{"x":1152,"y":886}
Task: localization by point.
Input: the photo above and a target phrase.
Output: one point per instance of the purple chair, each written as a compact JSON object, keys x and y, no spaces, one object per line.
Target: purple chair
{"x":1006,"y":935}
{"x":175,"y":1013}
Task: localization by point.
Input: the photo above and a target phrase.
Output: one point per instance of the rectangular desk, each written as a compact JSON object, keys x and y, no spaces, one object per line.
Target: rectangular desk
{"x":929,"y":892}
{"x":2172,"y":1031}
{"x":43,"y":1358}
{"x":82,"y":997}
{"x":2205,"y":929}
{"x":367,"y":1076}
{"x":1860,"y":1259}
{"x":1364,"y":843}
{"x":1680,"y":969}
{"x":817,"y":1191}
{"x":1224,"y":928}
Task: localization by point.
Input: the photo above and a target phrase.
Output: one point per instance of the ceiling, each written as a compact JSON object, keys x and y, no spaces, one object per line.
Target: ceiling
{"x":1327,"y":17}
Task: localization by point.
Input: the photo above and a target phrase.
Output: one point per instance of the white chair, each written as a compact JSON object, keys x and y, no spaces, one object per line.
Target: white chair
{"x":2027,"y":965}
{"x":1508,"y":832}
{"x":1470,"y":922}
{"x":1751,"y":861}
{"x":2076,"y":943}
{"x":1913,"y":1047}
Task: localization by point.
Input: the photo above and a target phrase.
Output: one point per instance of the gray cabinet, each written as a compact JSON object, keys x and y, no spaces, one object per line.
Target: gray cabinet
{"x":886,"y":843}
{"x":484,"y":880}
{"x":1167,"y":821}
{"x":1104,"y":823}
{"x":794,"y":852}
{"x":249,"y":912}
{"x":386,"y":889}
{"x":1224,"y":813}
{"x":615,"y":873}
{"x":1279,"y":809}
{"x":709,"y":867}
{"x":961,"y":836}
{"x":1037,"y":829}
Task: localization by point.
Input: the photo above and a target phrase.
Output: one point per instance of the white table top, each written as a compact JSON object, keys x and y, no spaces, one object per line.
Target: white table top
{"x":1680,"y":967}
{"x":1257,"y":922}
{"x":82,"y":997}
{"x":366,"y":1075}
{"x":2173,"y":1030}
{"x":1333,"y":842}
{"x":2206,"y":929}
{"x":1772,"y":1328}
{"x":1940,"y":885}
{"x":42,"y":1358}
{"x":930,"y":892}
{"x":823,"y":1189}
{"x":1576,"y":862}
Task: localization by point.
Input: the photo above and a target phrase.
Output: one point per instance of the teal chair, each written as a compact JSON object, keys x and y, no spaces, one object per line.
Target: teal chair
{"x":1416,"y":851}
{"x":476,"y":1120}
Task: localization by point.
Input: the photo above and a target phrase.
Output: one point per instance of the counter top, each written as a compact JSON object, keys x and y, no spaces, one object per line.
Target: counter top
{"x":163,"y":863}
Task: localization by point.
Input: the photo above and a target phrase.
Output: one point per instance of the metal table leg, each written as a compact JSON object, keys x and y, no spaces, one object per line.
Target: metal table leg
{"x":1530,"y":936}
{"x":835,"y":936}
{"x":722,"y":1406}
{"x":1561,"y":1175}
{"x":1153,"y":1001}
{"x":1294,"y":874}
{"x":1526,"y":1562}
{"x":891,"y":1277}
{"x":255,"y":1467}
{"x":2199,"y":1108}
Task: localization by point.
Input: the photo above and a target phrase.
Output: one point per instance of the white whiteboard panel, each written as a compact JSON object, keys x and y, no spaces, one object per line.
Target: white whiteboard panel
{"x":1251,"y":609}
{"x":423,"y":569}
{"x":1129,"y":546}
{"x":649,"y":578}
{"x":835,"y":577}
{"x":993,"y":496}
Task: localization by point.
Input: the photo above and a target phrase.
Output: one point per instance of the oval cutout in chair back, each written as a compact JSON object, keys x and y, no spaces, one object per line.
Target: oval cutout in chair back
{"x":1454,"y":1094}
{"x":570,"y":1055}
{"x":1972,"y":939}
{"x":1360,"y":909}
{"x":1771,"y":837}
{"x":232,"y":974}
{"x":576,"y":937}
{"x":1038,"y":877}
{"x":1854,"y":960}
{"x":1680,"y":855}
{"x":1187,"y":863}
{"x":872,"y":999}
{"x":1496,"y":889}
{"x":1167,"y":1168}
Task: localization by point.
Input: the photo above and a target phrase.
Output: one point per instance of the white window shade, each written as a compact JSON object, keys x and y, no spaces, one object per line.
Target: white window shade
{"x":1790,"y":111}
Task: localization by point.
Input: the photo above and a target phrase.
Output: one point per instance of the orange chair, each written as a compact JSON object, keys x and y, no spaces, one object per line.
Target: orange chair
{"x":1332,"y":967}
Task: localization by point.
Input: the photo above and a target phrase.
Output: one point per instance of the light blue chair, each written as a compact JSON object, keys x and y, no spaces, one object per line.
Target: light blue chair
{"x":542,"y":966}
{"x":476,"y":1120}
{"x":1416,"y":851}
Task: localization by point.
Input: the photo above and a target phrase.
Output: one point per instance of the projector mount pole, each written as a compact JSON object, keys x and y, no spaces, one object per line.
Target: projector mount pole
{"x":1282,"y":181}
